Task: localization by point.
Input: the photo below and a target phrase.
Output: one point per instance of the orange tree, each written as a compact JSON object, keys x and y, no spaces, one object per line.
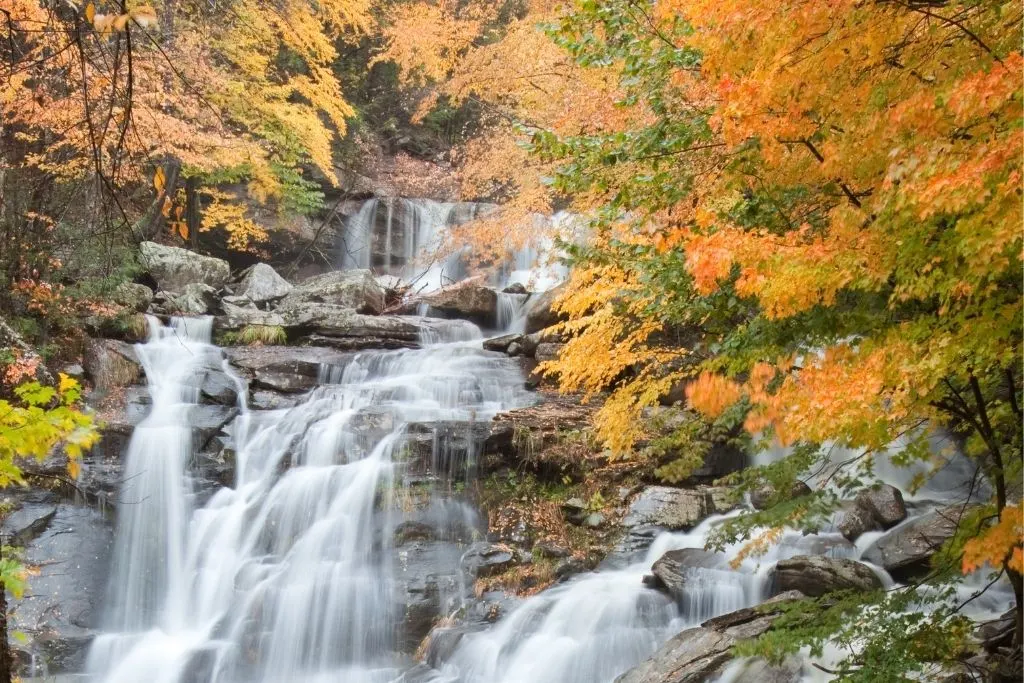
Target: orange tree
{"x":823,"y":199}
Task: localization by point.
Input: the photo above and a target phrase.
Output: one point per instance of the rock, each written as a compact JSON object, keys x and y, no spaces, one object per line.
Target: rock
{"x":569,"y":567}
{"x":207,"y":421}
{"x":109,"y":363}
{"x":74,"y":370}
{"x":31,"y":518}
{"x":539,"y":314}
{"x":998,"y":632}
{"x":594,"y":520}
{"x":195,"y":298}
{"x":760,"y":671}
{"x":550,"y":549}
{"x":261,"y":284}
{"x":218,"y":387}
{"x":502,"y":344}
{"x":334,"y":326}
{"x":515,"y":288}
{"x":574,"y":510}
{"x":271,"y":400}
{"x":134,"y":296}
{"x":356,"y":290}
{"x":670,"y":570}
{"x":61,"y":605}
{"x":815,"y":575}
{"x":904,"y":552}
{"x":547,"y":351}
{"x":173,"y":268}
{"x":414,"y":531}
{"x":286,"y":369}
{"x":469,"y":301}
{"x":487,"y":559}
{"x":514,"y":349}
{"x":760,"y":498}
{"x":698,"y":655}
{"x":856,"y":521}
{"x":877,"y":508}
{"x":675,"y":509}
{"x":428,"y":586}
{"x":885,"y":503}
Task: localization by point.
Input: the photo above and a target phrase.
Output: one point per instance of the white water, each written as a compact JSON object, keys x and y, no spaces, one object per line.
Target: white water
{"x":286,"y":576}
{"x":407,"y":238}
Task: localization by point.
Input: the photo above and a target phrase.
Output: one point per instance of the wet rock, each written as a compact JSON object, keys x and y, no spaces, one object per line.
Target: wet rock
{"x":876,"y":508}
{"x":698,"y":655}
{"x":904,"y":552}
{"x":670,"y":571}
{"x":207,"y":421}
{"x":503,"y":343}
{"x":355,"y":290}
{"x":487,"y":559}
{"x":428,"y":586}
{"x":32,"y":515}
{"x":59,"y":610}
{"x":759,"y":671}
{"x":218,"y":387}
{"x":330,"y":325}
{"x":261,"y":284}
{"x":285,"y":369}
{"x":815,"y":575}
{"x":539,"y":313}
{"x":762,"y":497}
{"x":468,"y":301}
{"x":174,"y":268}
{"x":414,"y":531}
{"x":271,"y":400}
{"x":110,"y":363}
{"x":134,"y":296}
{"x":515,"y":288}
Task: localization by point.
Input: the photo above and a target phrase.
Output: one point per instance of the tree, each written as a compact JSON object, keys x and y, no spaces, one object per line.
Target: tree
{"x":39,"y":419}
{"x":811,"y":213}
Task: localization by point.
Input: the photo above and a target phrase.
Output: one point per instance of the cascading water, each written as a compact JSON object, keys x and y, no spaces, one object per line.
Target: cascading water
{"x":288,"y":575}
{"x":406,"y":237}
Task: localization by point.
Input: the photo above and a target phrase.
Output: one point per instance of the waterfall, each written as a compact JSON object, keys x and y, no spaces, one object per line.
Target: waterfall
{"x":511,"y":311}
{"x":288,"y":575}
{"x":406,"y":238}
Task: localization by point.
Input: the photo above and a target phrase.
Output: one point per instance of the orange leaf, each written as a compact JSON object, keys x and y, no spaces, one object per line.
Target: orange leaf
{"x":90,"y":12}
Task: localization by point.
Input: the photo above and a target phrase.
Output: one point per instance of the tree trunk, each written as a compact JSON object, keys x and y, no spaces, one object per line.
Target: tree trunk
{"x":6,"y":661}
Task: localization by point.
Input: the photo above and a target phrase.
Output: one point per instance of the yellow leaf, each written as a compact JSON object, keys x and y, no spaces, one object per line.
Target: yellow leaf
{"x":66,"y":383}
{"x":159,"y":180}
{"x":121,"y":22}
{"x":90,"y":12}
{"x":183,"y":229}
{"x":73,"y":468}
{"x":144,"y":15}
{"x":165,"y":210}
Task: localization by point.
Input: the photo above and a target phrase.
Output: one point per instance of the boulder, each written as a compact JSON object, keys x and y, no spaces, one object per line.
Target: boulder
{"x":173,"y":268}
{"x":664,"y":508}
{"x":904,"y":552}
{"x":816,"y":575}
{"x":195,"y":298}
{"x":550,"y":549}
{"x":856,"y":521}
{"x":698,"y":655}
{"x":487,"y":559}
{"x":356,"y":290}
{"x":110,"y":363}
{"x":285,"y":369}
{"x":885,"y":503}
{"x":539,"y":313}
{"x":470,"y":301}
{"x":261,"y":284}
{"x":515,"y":288}
{"x":502,"y":344}
{"x":762,"y":497}
{"x":670,"y":570}
{"x":134,"y":296}
{"x":217,"y":387}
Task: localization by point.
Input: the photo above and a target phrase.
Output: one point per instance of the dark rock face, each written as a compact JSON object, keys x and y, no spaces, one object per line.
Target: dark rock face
{"x":814,"y":575}
{"x":487,"y":559}
{"x":173,"y":268}
{"x":904,"y":551}
{"x":539,"y":314}
{"x":698,"y":655}
{"x":469,"y":302}
{"x":60,"y":607}
{"x":283,"y":368}
{"x":356,"y":290}
{"x":671,"y":569}
{"x":429,"y":586}
{"x":261,"y":284}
